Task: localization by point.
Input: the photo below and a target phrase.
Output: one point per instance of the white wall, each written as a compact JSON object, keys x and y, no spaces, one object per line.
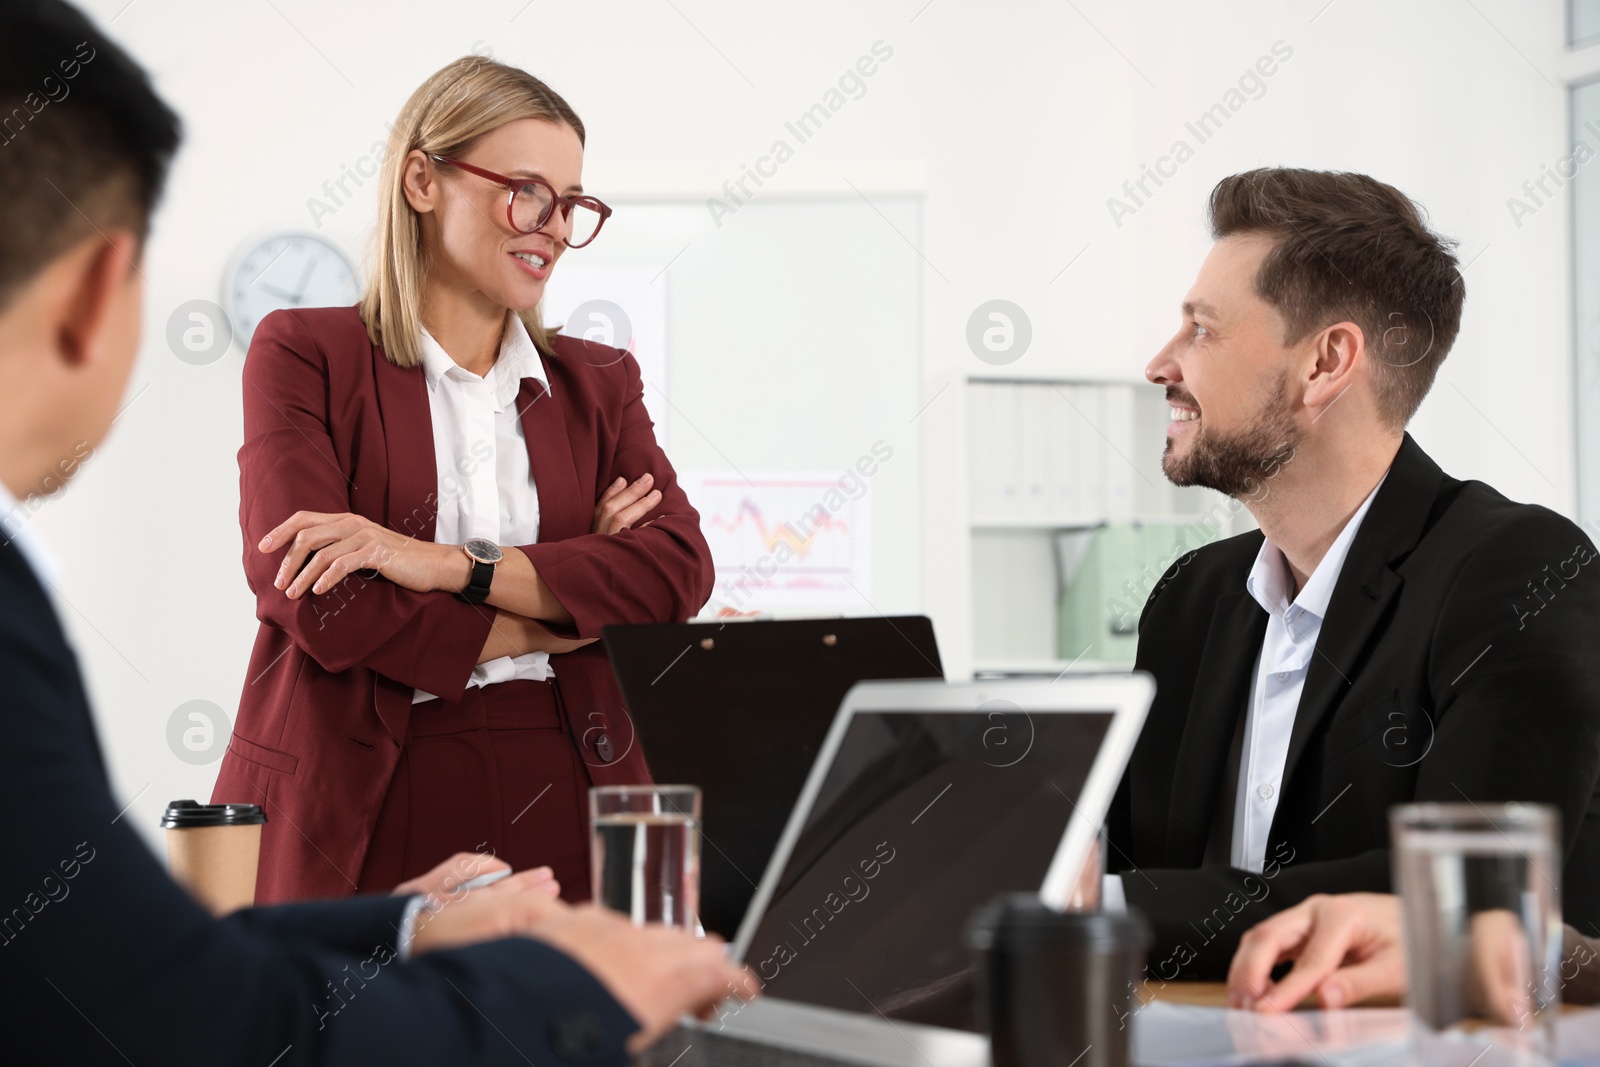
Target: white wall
{"x":1021,"y":119}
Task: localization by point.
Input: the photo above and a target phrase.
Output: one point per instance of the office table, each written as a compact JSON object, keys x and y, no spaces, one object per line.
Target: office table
{"x":1199,"y":994}
{"x":1215,"y":995}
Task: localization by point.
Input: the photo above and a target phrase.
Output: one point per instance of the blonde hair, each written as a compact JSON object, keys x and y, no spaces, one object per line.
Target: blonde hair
{"x":450,"y":110}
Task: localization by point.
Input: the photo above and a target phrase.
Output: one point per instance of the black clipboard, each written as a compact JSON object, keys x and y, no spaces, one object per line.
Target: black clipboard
{"x":740,"y":709}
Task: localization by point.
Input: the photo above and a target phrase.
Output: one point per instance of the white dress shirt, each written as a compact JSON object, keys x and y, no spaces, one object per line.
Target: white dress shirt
{"x":1279,"y":677}
{"x":14,"y":529}
{"x":485,"y":481}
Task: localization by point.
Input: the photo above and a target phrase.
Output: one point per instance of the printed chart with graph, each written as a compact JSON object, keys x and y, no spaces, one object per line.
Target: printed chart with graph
{"x":785,"y":540}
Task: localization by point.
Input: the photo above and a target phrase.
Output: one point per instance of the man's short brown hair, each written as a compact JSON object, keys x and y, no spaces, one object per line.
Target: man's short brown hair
{"x":1350,"y":248}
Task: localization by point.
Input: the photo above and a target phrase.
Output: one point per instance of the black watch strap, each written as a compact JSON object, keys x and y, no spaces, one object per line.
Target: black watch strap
{"x":477,"y":590}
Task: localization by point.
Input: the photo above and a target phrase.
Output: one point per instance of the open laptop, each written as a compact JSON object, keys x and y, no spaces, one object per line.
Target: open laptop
{"x":926,"y":801}
{"x":741,"y":709}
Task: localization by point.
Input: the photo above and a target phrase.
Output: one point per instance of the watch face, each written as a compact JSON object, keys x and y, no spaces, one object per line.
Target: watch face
{"x":484,"y":551}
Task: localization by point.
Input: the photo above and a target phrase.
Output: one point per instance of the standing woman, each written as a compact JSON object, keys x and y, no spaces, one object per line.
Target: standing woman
{"x":442,"y":504}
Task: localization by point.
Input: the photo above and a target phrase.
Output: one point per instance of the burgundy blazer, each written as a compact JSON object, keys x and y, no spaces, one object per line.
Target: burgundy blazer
{"x":331,"y":425}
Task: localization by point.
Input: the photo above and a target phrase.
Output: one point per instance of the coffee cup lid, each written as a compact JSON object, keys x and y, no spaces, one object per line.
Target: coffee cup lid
{"x":1020,"y":921}
{"x":187,"y":814}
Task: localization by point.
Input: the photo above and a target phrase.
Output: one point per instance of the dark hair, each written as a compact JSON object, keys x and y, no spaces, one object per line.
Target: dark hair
{"x":1351,"y":248}
{"x":85,"y":142}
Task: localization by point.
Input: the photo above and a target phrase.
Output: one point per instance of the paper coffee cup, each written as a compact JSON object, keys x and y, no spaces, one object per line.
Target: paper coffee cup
{"x":212,"y":851}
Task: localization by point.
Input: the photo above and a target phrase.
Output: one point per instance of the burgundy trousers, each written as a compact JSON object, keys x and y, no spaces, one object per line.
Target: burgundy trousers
{"x":495,"y":772}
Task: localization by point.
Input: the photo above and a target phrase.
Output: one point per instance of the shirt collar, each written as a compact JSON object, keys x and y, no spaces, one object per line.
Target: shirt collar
{"x":518,"y":359}
{"x":1269,"y":578}
{"x":14,"y":528}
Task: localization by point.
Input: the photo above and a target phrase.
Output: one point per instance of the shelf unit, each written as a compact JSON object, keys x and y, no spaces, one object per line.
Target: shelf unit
{"x":1096,"y":445}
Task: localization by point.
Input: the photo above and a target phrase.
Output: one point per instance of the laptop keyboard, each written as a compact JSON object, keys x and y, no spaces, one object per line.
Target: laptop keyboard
{"x":684,"y":1047}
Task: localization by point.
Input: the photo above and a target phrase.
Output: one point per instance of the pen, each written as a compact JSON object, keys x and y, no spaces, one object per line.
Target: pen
{"x":486,"y":879}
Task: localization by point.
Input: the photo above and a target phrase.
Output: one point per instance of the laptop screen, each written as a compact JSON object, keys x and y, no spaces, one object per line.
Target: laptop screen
{"x":922,"y":817}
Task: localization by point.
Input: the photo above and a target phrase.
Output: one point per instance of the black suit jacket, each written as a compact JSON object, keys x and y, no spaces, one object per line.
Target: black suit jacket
{"x":1459,"y":661}
{"x":103,"y":959}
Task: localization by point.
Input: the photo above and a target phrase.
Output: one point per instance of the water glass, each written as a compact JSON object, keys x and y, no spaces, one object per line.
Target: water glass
{"x":645,"y":852}
{"x":1480,"y":891}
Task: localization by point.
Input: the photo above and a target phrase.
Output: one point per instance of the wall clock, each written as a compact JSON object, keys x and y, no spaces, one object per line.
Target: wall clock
{"x":286,"y":269}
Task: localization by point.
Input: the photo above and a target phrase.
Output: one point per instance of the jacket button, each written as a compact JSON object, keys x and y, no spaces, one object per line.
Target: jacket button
{"x":604,"y":749}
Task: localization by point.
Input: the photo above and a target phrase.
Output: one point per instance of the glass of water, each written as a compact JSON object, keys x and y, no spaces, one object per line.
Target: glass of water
{"x":644,"y":852}
{"x":1480,"y":889}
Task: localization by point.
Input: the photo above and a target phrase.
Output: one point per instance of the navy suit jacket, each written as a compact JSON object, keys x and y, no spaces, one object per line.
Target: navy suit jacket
{"x":104,"y":959}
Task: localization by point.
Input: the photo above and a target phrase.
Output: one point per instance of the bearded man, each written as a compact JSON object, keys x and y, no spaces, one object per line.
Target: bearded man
{"x":1389,"y":635}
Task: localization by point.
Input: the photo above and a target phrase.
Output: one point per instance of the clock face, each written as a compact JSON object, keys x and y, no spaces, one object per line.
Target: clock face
{"x":288,"y":270}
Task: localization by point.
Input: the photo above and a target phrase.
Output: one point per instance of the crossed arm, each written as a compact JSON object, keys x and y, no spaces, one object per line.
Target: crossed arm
{"x":326,"y":549}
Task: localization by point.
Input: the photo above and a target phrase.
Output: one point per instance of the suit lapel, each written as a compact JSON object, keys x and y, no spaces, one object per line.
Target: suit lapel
{"x":411,"y":503}
{"x":1366,"y":587}
{"x":566,"y":509}
{"x":1353,"y":613}
{"x":1221,"y":689}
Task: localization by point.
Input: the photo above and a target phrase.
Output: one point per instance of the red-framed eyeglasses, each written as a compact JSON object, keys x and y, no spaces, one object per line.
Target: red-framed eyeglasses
{"x":531,"y":201}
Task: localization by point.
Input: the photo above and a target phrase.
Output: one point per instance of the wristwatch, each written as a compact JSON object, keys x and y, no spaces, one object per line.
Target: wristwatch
{"x":484,"y":554}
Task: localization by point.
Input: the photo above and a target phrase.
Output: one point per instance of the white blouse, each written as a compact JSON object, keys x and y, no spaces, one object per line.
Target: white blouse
{"x":485,"y":482}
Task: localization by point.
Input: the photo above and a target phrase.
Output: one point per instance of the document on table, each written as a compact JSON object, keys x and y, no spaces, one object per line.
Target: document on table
{"x":1166,"y":1035}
